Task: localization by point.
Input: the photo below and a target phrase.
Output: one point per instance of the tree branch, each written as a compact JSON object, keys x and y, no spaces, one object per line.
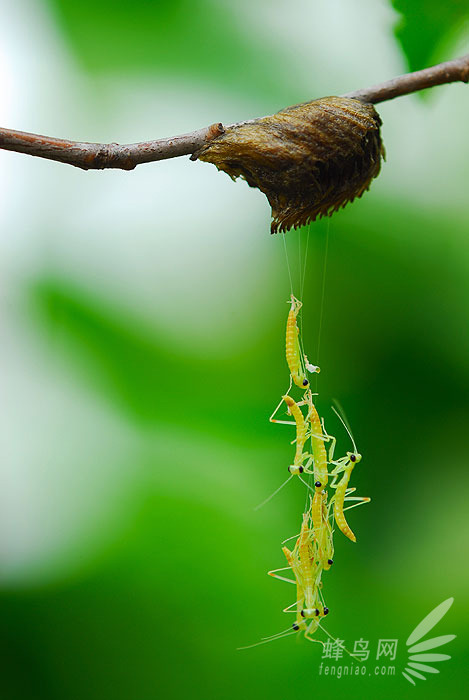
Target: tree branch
{"x":449,"y":72}
{"x":98,"y":156}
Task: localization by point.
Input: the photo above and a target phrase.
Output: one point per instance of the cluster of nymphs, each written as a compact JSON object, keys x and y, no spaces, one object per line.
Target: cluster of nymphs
{"x":328,"y":490}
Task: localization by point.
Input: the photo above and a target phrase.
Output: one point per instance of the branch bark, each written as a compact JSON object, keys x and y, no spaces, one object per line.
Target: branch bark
{"x":98,"y":156}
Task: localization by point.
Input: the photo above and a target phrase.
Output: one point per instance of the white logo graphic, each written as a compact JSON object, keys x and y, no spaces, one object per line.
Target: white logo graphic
{"x":414,"y":666}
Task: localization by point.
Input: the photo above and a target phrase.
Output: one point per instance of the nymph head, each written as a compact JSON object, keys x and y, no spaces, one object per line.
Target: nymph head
{"x":296,"y":469}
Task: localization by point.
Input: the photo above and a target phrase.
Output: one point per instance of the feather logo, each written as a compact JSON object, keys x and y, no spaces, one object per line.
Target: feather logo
{"x":415,"y":668}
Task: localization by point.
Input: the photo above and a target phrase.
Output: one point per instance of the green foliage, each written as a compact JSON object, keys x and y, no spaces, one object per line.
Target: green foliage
{"x":195,"y":38}
{"x":428,"y":29}
{"x":133,"y":365}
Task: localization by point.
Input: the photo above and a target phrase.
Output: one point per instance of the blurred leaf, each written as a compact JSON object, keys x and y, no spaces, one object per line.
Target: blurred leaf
{"x":197,"y":38}
{"x":428,"y":29}
{"x":134,"y":367}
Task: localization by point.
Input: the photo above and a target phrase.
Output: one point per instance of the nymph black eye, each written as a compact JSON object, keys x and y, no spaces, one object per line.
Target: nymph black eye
{"x":295,"y":626}
{"x":353,"y":458}
{"x":318,"y":484}
{"x":326,"y":610}
{"x":301,"y":470}
{"x":302,"y":613}
{"x":305,"y":382}
{"x":330,"y":562}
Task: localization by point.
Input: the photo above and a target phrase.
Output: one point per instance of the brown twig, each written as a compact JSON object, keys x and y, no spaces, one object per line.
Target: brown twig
{"x":449,"y":72}
{"x":98,"y":156}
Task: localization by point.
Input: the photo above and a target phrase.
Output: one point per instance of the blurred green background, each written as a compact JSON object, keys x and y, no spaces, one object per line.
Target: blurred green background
{"x":142,"y":351}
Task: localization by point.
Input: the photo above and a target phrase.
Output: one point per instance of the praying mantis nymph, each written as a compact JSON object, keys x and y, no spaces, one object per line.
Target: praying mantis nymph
{"x":317,"y":445}
{"x":302,"y":434}
{"x":302,"y":431}
{"x":339,"y":516}
{"x":300,"y":596}
{"x":321,"y":527}
{"x":307,"y":567}
{"x":344,"y":466}
{"x":325,"y":538}
{"x":305,"y":428}
{"x":302,"y":562}
{"x":309,"y":426}
{"x":306,"y":564}
{"x":316,"y":506}
{"x":297,"y":363}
